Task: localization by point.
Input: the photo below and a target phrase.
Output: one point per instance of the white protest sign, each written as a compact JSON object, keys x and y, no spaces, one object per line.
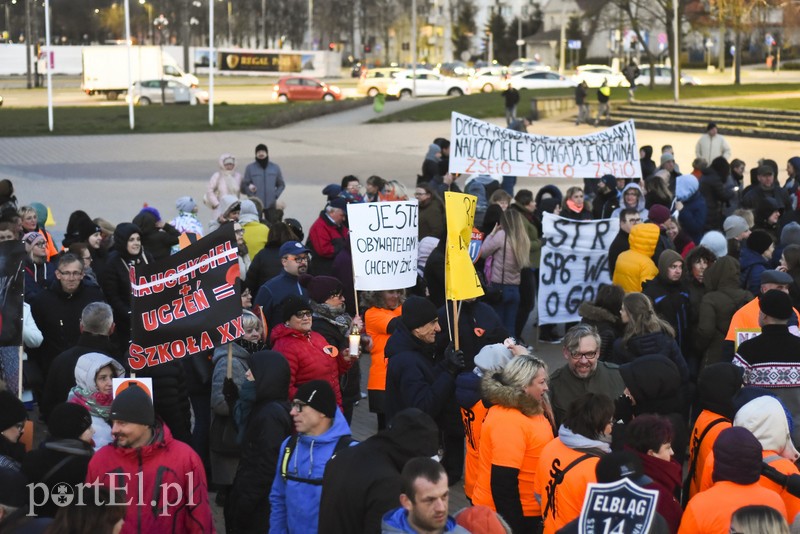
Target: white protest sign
{"x":478,"y":147}
{"x":574,"y":264}
{"x":384,"y":243}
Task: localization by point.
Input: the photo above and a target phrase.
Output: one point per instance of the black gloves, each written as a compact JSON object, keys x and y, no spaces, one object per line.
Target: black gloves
{"x":230,"y":391}
{"x":623,"y":409}
{"x":453,"y":360}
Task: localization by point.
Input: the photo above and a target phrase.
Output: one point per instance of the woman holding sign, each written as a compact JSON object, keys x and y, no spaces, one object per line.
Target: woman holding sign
{"x":508,"y":247}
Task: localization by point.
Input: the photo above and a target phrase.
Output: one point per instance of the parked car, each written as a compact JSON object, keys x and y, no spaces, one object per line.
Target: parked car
{"x":540,"y":79}
{"x":453,"y":68}
{"x":594,"y":75}
{"x":663,"y":76}
{"x":428,"y":83}
{"x":488,"y":79}
{"x":148,"y":92}
{"x":293,"y":88}
{"x":374,"y":81}
{"x":523,"y":64}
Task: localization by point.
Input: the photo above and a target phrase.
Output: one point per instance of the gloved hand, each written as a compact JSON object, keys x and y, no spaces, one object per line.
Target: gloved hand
{"x":230,"y":391}
{"x":454,"y":360}
{"x":623,"y":409}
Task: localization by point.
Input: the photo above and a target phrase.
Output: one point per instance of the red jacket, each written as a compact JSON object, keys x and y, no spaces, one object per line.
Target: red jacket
{"x":167,"y":470}
{"x":323,"y":236}
{"x":308,"y":359}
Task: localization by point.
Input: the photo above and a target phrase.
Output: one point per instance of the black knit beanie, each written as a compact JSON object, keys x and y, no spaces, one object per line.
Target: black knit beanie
{"x":418,"y":311}
{"x":737,"y":456}
{"x":133,"y":405}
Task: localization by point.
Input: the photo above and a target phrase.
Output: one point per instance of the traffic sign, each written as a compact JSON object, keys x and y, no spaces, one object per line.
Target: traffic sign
{"x":574,"y":44}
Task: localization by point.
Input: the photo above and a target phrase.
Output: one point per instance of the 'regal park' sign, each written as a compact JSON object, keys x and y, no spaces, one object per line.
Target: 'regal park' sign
{"x":479,"y":147}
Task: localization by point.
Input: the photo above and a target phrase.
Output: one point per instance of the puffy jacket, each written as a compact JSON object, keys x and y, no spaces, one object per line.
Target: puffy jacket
{"x":724,"y":296}
{"x":654,"y":343}
{"x":308,"y":359}
{"x":326,"y":240}
{"x":165,"y":461}
{"x":271,"y":295}
{"x":294,"y":504}
{"x":634,"y":266}
{"x":752,"y":265}
{"x":248,"y":508}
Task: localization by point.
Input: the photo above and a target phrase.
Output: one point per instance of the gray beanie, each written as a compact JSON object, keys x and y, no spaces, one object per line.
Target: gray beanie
{"x":716,"y":243}
{"x":734,"y":225}
{"x":790,"y":234}
{"x":493,"y":358}
{"x":186,"y":204}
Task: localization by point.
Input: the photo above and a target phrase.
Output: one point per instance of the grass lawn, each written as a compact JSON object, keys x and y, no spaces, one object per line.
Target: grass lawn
{"x":486,"y":105}
{"x":85,"y":120}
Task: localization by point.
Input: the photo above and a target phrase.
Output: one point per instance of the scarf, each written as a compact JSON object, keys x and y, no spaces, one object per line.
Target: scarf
{"x":98,"y":404}
{"x":336,"y":316}
{"x":251,"y":346}
{"x":574,"y":207}
{"x":578,"y":441}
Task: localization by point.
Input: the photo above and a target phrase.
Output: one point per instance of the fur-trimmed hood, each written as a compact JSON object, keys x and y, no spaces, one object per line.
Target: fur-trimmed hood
{"x":592,"y":312}
{"x":499,"y":394}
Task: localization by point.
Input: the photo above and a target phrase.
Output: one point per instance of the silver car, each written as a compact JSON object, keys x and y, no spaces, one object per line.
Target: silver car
{"x":148,"y":92}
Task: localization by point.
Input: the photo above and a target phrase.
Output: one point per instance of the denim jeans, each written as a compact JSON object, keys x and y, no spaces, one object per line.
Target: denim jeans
{"x":507,"y":309}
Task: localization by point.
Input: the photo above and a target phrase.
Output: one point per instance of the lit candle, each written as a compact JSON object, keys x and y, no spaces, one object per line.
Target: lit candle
{"x":355,"y":341}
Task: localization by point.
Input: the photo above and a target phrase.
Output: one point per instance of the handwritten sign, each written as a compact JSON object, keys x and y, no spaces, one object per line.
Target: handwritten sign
{"x":461,"y":280}
{"x":384,"y":243}
{"x":574,"y":264}
{"x":478,"y":147}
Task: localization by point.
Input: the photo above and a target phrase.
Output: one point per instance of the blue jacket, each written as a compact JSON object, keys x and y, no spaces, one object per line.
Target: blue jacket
{"x":414,"y":377}
{"x":693,"y":216}
{"x":294,"y":504}
{"x":272,"y":293}
{"x":752,"y":265}
{"x":396,"y":522}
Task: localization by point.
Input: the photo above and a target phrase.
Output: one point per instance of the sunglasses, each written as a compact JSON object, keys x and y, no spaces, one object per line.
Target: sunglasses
{"x":302,"y":314}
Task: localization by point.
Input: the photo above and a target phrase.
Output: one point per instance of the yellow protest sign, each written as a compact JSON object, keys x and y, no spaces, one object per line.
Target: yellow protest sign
{"x":461,"y":280}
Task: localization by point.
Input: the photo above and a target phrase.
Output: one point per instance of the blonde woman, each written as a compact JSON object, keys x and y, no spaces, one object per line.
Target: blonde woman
{"x":509,"y":247}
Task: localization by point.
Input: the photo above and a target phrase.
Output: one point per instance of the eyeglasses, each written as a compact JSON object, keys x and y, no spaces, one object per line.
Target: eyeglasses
{"x":297,"y":405}
{"x":577,"y":356}
{"x":40,"y":244}
{"x":299,"y":259}
{"x":302,"y":314}
{"x":71,"y":274}
{"x":632,"y":221}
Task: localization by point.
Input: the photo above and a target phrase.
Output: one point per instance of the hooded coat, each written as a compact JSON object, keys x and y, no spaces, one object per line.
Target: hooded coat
{"x":267,"y":426}
{"x":430,"y":166}
{"x":85,"y":373}
{"x":671,"y":299}
{"x":634,"y":266}
{"x":723,"y":297}
{"x":513,"y":435}
{"x":223,"y":182}
{"x":255,"y":232}
{"x":713,"y":191}
{"x":643,"y":212}
{"x":116,"y":282}
{"x":752,"y":264}
{"x":363,"y":482}
{"x":164,"y":460}
{"x":693,"y":214}
{"x":157,"y":241}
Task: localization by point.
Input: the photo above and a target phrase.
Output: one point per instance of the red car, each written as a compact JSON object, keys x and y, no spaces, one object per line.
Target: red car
{"x":291,"y":88}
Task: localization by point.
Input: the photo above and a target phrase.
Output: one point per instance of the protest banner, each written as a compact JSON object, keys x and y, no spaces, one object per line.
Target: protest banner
{"x":186,"y":304}
{"x":478,"y":147}
{"x":620,"y":507}
{"x":384,"y":239}
{"x":574,"y":264}
{"x":461,"y":280}
{"x":12,"y":287}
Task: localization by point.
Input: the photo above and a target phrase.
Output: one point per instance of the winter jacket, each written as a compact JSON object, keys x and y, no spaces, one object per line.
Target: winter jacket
{"x":608,"y":324}
{"x":58,"y":316}
{"x":268,"y":181}
{"x":473,"y":413}
{"x":702,"y":450}
{"x":478,"y":326}
{"x":325,"y":240}
{"x":222,"y":183}
{"x":752,"y":265}
{"x":308,"y":359}
{"x":693,"y":214}
{"x":711,"y":147}
{"x":187,"y":223}
{"x":248,"y":508}
{"x":157,"y":241}
{"x":724,"y":296}
{"x":264,"y":266}
{"x":757,"y":195}
{"x":171,"y":398}
{"x":396,"y":522}
{"x":431,"y":219}
{"x":416,"y":379}
{"x":671,"y":301}
{"x":61,"y":377}
{"x":294,"y":503}
{"x":39,"y":462}
{"x":38,"y":276}
{"x":164,"y":460}
{"x":634,"y":266}
{"x":350,"y":381}
{"x":643,"y":211}
{"x":376,"y":324}
{"x":654,"y":343}
{"x":505,"y":267}
{"x":512,"y":438}
{"x":565,"y":387}
{"x":711,"y":510}
{"x":713,"y":191}
{"x":430,"y":165}
{"x":533,"y":235}
{"x":666,"y":479}
{"x":273,"y":292}
{"x":604,"y":204}
{"x":86,"y":370}
{"x":618,"y":246}
{"x":363,"y":482}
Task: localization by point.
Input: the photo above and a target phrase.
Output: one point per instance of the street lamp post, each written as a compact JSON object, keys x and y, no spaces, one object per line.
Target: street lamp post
{"x":161,"y":24}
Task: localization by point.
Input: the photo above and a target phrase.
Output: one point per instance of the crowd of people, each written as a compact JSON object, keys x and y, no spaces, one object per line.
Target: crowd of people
{"x":680,"y":375}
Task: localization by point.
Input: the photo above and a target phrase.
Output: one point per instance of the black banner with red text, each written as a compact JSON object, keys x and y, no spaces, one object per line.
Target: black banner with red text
{"x":186,"y":304}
